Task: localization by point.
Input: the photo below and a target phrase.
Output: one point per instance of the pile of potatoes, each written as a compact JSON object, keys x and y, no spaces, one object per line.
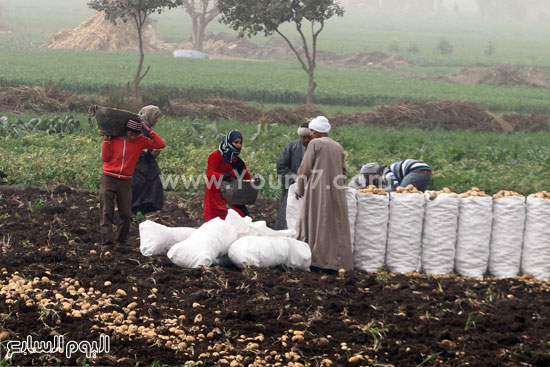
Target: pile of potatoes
{"x":445,"y":190}
{"x":474,"y":191}
{"x":371,"y":189}
{"x":409,"y":189}
{"x":505,"y":193}
{"x":541,"y":195}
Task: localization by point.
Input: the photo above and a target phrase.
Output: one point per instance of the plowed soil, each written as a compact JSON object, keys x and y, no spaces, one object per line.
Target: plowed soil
{"x":55,"y":281}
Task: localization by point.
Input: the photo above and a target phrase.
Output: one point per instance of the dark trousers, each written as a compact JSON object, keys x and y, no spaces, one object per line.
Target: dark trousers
{"x":112,"y":189}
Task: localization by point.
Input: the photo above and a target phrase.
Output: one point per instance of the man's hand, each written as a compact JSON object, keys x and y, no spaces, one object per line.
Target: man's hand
{"x":145,"y":127}
{"x":155,"y":152}
{"x":104,"y":134}
{"x":298,"y":196}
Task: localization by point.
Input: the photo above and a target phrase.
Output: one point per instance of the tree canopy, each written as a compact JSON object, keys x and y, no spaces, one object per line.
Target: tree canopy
{"x":138,"y":11}
{"x":250,"y":17}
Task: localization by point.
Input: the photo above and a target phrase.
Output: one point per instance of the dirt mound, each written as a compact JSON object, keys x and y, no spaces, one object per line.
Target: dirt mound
{"x":57,"y":282}
{"x":447,"y":115}
{"x":374,"y":59}
{"x":531,"y":122}
{"x":509,"y":76}
{"x":294,"y":116}
{"x":225,"y":44}
{"x":49,"y":98}
{"x":228,"y":109}
{"x":216,"y":109}
{"x":98,"y":34}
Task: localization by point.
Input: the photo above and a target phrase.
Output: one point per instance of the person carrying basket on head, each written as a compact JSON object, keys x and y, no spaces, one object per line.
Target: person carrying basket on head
{"x":120,"y":155}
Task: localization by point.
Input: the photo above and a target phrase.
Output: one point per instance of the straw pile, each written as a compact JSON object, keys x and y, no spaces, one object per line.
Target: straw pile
{"x":98,"y":34}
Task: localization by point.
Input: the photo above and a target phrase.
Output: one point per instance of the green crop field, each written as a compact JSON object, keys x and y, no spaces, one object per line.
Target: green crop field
{"x":271,"y":82}
{"x":460,"y":160}
{"x":26,"y":62}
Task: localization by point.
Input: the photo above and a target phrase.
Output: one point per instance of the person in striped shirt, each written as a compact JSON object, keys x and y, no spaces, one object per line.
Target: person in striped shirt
{"x":407,"y":172}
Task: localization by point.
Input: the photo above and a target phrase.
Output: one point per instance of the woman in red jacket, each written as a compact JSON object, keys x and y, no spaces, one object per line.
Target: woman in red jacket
{"x":224,"y":164}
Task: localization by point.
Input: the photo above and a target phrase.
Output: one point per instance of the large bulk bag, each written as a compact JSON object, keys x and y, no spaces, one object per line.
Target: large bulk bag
{"x":439,"y":234}
{"x":266,"y":252}
{"x":535,"y":257}
{"x":206,"y":246}
{"x":293,"y":207}
{"x":246,"y":227}
{"x":475,"y":217}
{"x":157,"y":239}
{"x":352,"y":211}
{"x":404,"y":232}
{"x":507,"y":236}
{"x":371,"y":231}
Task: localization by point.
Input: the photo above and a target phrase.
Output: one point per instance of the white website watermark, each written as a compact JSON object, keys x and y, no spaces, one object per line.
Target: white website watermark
{"x":58,"y":345}
{"x":258,"y":182}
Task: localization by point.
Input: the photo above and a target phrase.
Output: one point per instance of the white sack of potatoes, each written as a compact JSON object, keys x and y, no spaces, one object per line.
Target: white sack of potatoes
{"x":475,"y":218}
{"x":246,"y":227}
{"x":535,"y":257}
{"x":507,"y":236}
{"x":157,"y":239}
{"x":405,"y":232}
{"x":351,"y":199}
{"x":439,"y":234}
{"x":206,"y":246}
{"x":266,"y":252}
{"x":293,"y":208}
{"x":371,"y":232}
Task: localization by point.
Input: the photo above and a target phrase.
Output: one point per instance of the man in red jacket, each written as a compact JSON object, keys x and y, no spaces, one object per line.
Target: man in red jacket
{"x":120,"y":155}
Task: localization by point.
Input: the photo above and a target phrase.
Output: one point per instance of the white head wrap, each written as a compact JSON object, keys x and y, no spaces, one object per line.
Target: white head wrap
{"x":304,"y":131}
{"x":320,"y":124}
{"x":369,"y":168}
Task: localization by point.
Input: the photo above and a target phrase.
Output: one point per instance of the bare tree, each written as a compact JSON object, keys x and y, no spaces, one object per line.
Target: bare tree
{"x":249,"y":17}
{"x":138,"y":11}
{"x":201,"y":12}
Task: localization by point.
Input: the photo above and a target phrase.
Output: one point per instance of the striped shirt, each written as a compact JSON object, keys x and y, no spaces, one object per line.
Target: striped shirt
{"x":396,"y":172}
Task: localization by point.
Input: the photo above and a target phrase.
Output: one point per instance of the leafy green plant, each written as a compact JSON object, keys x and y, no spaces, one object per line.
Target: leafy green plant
{"x":444,"y":47}
{"x":490,"y":48}
{"x":55,"y":125}
{"x":139,"y":217}
{"x":394,"y":45}
{"x":37,"y":205}
{"x":470,"y":322}
{"x":429,"y":358}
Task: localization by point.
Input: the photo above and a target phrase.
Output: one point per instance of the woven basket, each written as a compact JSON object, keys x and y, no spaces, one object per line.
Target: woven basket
{"x":239,"y":192}
{"x":111,"y":120}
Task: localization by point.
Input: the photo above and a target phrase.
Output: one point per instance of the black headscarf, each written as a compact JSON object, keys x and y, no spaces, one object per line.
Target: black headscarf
{"x":227,"y":149}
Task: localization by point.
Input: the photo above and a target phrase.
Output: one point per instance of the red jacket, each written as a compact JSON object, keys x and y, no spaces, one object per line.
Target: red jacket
{"x":214,"y":204}
{"x":120,"y":155}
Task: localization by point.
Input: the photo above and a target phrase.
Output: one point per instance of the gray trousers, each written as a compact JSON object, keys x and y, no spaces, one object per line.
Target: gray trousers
{"x":113,"y":189}
{"x":419,"y":180}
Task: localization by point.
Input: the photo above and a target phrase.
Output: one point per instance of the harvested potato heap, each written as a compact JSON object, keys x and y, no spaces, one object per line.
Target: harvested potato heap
{"x":541,"y":195}
{"x":505,"y":193}
{"x":371,"y":189}
{"x":474,"y":191}
{"x":409,"y":189}
{"x":445,"y":190}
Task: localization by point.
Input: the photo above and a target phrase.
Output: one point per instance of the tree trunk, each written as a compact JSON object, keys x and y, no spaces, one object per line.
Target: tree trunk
{"x":310,"y":88}
{"x":137,"y":77}
{"x":195,"y":33}
{"x":198,"y":42}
